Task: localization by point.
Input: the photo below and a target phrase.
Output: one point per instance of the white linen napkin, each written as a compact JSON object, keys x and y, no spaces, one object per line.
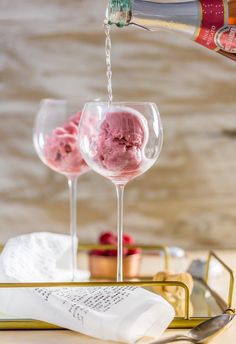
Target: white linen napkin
{"x":122,"y":313}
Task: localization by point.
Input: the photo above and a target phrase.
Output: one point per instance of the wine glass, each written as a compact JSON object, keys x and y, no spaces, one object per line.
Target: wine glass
{"x":55,"y":139}
{"x":120,"y":141}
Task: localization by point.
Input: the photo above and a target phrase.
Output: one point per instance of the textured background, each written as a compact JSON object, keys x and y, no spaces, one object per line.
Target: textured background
{"x":56,"y":49}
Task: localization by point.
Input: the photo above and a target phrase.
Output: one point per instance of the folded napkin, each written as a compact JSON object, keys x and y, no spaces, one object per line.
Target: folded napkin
{"x":122,"y":313}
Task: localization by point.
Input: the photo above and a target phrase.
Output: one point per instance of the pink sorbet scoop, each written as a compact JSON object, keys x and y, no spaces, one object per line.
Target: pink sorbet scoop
{"x":122,"y":135}
{"x":62,"y":151}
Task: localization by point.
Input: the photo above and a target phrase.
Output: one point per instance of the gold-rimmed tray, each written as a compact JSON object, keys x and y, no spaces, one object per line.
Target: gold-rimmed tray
{"x":203,"y":304}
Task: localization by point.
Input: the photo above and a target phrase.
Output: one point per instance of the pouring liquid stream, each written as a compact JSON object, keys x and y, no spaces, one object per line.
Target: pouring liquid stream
{"x":108,"y":61}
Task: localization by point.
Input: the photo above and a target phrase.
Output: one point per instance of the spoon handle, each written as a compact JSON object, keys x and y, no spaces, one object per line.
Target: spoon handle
{"x":176,"y":338}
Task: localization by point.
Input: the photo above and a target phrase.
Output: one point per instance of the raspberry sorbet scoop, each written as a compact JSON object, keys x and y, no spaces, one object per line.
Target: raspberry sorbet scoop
{"x":62,"y":151}
{"x":122,"y":136}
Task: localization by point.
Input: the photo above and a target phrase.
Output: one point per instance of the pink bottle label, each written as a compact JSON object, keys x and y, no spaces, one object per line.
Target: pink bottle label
{"x":213,"y":18}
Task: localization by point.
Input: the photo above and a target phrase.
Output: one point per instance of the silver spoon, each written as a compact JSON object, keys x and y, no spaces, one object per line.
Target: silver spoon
{"x":204,"y":331}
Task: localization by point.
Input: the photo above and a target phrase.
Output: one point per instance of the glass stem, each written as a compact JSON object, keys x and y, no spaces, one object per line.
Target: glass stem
{"x":120,"y":206}
{"x":72,"y":183}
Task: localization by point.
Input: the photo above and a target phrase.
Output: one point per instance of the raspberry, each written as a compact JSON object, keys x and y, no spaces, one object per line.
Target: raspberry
{"x":113,"y":253}
{"x":107,"y":238}
{"x":127,"y":239}
{"x":134,"y":251}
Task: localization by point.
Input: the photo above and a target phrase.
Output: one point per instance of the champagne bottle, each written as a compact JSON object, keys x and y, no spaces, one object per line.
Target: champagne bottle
{"x":211,"y":23}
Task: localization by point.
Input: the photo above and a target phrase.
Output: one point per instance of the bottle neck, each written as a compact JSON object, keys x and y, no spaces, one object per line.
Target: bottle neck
{"x":183,"y":16}
{"x":153,"y":16}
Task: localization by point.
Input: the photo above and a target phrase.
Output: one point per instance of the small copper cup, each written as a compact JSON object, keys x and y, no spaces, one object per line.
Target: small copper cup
{"x":105,"y":267}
